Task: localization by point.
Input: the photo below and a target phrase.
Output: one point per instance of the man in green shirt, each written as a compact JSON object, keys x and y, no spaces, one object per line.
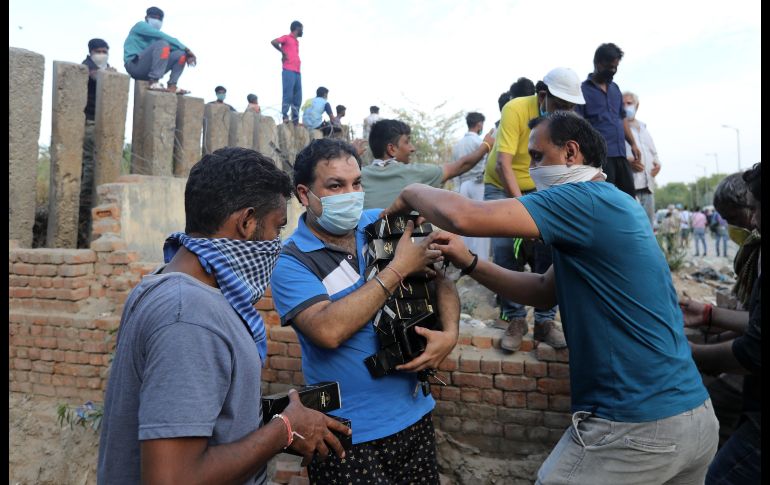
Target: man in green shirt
{"x":149,"y":54}
{"x":390,"y":172}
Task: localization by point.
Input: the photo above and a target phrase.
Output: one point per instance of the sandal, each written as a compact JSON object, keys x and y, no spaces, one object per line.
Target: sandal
{"x":156,"y":86}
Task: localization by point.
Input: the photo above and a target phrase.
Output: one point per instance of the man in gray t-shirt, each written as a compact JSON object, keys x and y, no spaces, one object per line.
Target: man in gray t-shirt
{"x":183,"y":401}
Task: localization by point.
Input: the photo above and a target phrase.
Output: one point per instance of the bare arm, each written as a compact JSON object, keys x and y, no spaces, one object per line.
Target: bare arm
{"x":277,"y":45}
{"x":538,"y":290}
{"x":733,"y":320}
{"x":462,"y":165}
{"x":505,"y":172}
{"x":457,"y":214}
{"x":716,"y":358}
{"x":631,"y":141}
{"x":192,"y":460}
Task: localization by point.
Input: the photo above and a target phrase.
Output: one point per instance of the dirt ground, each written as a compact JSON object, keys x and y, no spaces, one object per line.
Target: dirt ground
{"x":41,"y":452}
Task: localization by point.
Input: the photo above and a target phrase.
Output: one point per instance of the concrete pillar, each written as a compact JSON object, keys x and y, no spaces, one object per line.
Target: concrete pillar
{"x":286,"y":144}
{"x":266,"y":139}
{"x":189,"y":123}
{"x":216,"y":127}
{"x":25,"y":99}
{"x":242,"y":129}
{"x":301,"y":140}
{"x":70,"y":93}
{"x":137,"y":130}
{"x":110,"y":125}
{"x":160,"y":127}
{"x":316,"y":134}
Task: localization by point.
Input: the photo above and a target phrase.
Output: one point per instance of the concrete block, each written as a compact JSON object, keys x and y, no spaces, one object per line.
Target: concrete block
{"x":242,"y":129}
{"x":137,"y":130}
{"x":70,"y":92}
{"x":216,"y":127}
{"x":25,"y":99}
{"x":110,"y":127}
{"x":160,"y":127}
{"x":189,"y":126}
{"x":266,"y":139}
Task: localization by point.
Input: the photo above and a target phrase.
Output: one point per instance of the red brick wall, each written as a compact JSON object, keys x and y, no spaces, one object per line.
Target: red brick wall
{"x":64,"y":302}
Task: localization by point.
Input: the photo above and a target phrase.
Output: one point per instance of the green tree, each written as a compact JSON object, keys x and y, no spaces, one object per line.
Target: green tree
{"x":432,"y":132}
{"x":697,"y":194}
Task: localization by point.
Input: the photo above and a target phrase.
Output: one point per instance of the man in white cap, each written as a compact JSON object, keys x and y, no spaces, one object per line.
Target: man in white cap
{"x":507,"y":175}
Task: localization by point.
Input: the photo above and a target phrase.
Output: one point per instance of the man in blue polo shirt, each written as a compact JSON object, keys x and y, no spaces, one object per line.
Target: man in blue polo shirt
{"x":319,"y":288}
{"x":605,"y":111}
{"x":641,"y":414}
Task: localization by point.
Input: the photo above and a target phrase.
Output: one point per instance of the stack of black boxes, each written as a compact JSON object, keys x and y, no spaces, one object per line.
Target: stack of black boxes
{"x":412,"y":304}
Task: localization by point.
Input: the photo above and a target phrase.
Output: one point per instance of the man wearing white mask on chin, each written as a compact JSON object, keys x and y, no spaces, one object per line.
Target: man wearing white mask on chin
{"x":319,"y":288}
{"x":647,"y":168}
{"x":640,"y":411}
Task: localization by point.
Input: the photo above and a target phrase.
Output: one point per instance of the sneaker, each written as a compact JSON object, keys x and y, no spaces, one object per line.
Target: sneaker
{"x":517,"y":328}
{"x":547,"y":332}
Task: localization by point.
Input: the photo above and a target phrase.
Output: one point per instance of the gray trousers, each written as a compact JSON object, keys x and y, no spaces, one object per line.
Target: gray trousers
{"x":155,"y":61}
{"x":675,"y":450}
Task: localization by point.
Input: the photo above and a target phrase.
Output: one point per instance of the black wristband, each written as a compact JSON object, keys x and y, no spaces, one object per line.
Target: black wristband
{"x":471,"y":266}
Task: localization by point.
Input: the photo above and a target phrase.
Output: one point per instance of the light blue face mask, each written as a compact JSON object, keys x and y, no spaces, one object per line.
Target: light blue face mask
{"x":340,"y":213}
{"x":155,"y":23}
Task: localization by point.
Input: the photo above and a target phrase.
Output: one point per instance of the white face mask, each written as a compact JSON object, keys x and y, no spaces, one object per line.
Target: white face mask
{"x":630,"y":111}
{"x":100,"y":60}
{"x":155,"y":23}
{"x":549,"y":175}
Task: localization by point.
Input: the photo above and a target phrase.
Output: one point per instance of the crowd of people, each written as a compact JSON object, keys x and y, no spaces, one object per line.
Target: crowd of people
{"x":564,"y":181}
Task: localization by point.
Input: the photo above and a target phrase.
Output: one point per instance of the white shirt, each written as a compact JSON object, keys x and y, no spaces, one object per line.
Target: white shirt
{"x":368,"y":122}
{"x":467,"y":145}
{"x":643,"y":179}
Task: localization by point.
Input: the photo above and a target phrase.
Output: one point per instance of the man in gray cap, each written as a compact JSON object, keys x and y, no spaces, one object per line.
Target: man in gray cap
{"x":149,"y":54}
{"x":507,"y":176}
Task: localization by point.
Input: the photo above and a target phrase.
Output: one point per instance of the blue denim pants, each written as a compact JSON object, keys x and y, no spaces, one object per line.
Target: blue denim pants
{"x":292,"y":94}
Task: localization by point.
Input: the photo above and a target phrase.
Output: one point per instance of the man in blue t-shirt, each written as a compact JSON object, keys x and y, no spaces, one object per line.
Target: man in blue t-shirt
{"x":641,"y":412}
{"x":319,"y":288}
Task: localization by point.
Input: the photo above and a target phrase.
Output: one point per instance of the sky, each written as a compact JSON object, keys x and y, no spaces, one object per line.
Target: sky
{"x":694,"y":64}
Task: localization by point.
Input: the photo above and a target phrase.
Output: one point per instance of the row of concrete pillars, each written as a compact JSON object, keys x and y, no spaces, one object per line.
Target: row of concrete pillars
{"x":170,"y":133}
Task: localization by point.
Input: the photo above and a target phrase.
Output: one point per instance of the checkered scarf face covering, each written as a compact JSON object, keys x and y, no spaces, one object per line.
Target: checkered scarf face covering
{"x":242,"y":270}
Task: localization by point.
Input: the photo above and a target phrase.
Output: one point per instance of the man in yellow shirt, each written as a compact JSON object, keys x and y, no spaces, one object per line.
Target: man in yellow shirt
{"x":507,"y":175}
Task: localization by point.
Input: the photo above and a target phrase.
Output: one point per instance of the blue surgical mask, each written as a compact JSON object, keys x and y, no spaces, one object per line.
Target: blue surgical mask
{"x":630,"y":111}
{"x":340,"y":213}
{"x":155,"y":23}
{"x":221,"y":96}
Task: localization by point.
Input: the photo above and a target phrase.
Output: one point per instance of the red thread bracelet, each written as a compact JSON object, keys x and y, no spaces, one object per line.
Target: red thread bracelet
{"x":288,"y":428}
{"x":707,"y":312}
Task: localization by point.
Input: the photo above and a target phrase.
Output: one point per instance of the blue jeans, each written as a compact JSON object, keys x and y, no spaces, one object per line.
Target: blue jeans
{"x":739,"y":460}
{"x":700,"y":237}
{"x":292,"y":94}
{"x":721,"y":236}
{"x":538,"y":255}
{"x":674,"y":450}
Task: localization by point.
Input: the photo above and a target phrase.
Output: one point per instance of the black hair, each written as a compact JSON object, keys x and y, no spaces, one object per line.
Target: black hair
{"x":321,"y":92}
{"x":340,"y":108}
{"x":317,"y":150}
{"x":251,"y":98}
{"x":374,"y":109}
{"x":504,"y":98}
{"x":155,"y":11}
{"x":522,"y":87}
{"x":541,"y":86}
{"x":228,"y":180}
{"x":97,"y":44}
{"x":472,"y":118}
{"x":295,"y":25}
{"x":219,"y":88}
{"x":385,"y":132}
{"x":730,"y":194}
{"x":608,"y":53}
{"x":753,"y":179}
{"x":564,"y":126}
